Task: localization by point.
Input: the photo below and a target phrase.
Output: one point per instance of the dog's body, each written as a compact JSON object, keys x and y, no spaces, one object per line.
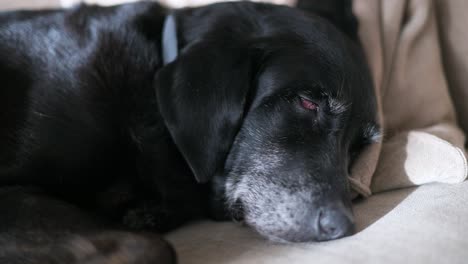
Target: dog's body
{"x":91,"y":116}
{"x":82,"y":121}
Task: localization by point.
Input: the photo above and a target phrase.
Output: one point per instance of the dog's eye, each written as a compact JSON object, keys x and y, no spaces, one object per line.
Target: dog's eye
{"x":309,"y":105}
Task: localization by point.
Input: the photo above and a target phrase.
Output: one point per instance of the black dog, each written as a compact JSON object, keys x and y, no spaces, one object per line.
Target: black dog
{"x":138,"y":118}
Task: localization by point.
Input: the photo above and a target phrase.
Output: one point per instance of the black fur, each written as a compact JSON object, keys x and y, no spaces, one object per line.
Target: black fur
{"x":101,"y":136}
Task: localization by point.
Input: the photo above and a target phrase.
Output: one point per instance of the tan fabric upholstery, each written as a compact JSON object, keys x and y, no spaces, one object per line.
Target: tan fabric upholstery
{"x":422,"y":142}
{"x":29,"y":4}
{"x":426,"y":225}
{"x":453,"y":20}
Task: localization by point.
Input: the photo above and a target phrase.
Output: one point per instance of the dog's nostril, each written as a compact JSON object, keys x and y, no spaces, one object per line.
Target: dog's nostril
{"x":334,"y":223}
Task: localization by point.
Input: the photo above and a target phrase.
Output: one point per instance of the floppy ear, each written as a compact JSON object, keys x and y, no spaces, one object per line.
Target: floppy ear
{"x":201,"y":96}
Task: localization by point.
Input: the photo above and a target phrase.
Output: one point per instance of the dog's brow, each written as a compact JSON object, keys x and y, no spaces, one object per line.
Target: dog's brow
{"x":336,"y":106}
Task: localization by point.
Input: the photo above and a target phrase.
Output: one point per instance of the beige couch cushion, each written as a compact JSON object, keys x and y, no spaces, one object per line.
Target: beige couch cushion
{"x":454,"y":39}
{"x":423,"y":225}
{"x":422,"y":141}
{"x":29,"y":4}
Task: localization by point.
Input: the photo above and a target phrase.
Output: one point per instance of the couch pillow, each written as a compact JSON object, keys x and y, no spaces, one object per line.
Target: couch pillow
{"x":422,"y":142}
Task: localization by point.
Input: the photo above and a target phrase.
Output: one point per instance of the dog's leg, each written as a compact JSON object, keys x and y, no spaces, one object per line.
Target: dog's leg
{"x":36,"y":229}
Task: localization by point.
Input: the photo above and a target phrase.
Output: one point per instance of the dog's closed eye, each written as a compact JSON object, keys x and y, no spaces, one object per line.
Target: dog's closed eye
{"x":308,"y":104}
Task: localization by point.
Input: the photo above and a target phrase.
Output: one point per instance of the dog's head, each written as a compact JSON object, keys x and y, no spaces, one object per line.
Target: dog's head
{"x":271,"y":105}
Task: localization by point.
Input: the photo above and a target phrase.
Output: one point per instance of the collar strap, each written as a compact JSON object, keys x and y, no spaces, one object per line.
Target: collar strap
{"x":169,"y":42}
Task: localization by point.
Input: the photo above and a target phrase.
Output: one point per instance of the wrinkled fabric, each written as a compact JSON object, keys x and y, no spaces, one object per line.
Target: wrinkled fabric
{"x":452,"y":21}
{"x":422,"y":142}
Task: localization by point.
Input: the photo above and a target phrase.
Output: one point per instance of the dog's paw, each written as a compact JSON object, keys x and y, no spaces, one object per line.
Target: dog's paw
{"x":119,"y":248}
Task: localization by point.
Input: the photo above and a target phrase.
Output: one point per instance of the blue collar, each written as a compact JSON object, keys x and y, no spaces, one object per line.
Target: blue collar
{"x":169,"y":42}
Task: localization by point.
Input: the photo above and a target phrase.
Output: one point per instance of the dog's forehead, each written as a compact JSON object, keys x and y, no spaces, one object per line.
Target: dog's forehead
{"x":325,"y":64}
{"x":300,"y":69}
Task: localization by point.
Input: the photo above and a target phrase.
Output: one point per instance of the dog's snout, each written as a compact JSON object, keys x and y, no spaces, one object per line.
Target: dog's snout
{"x":334,"y":222}
{"x":323,"y":223}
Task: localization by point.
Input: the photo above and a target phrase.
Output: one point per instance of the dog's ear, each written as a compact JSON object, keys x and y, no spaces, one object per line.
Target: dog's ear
{"x":338,"y":12}
{"x":202,"y":96}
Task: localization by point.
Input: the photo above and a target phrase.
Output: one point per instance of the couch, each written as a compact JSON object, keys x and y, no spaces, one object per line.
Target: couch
{"x":403,"y":224}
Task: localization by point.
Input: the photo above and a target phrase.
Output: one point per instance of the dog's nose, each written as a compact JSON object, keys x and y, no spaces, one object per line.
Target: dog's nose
{"x":334,"y":222}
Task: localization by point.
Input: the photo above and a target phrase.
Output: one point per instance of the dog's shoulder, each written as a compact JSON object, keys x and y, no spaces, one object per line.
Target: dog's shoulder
{"x":71,"y":81}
